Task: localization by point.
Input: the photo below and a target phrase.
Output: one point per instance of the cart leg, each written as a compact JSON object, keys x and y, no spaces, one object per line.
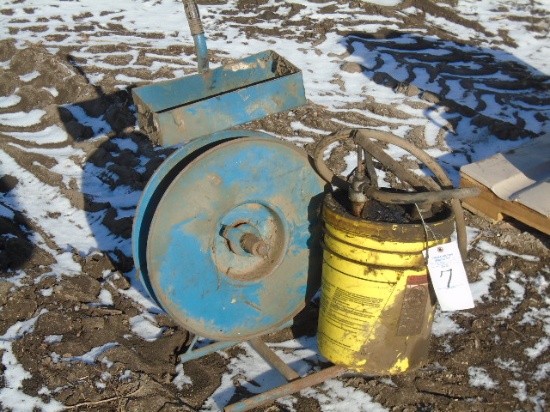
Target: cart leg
{"x":289,"y":388}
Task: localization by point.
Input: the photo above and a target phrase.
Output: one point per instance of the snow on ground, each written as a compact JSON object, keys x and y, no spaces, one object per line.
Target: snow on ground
{"x":73,"y":231}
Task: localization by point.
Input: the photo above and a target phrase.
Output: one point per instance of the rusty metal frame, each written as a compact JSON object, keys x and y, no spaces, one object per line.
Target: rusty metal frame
{"x":191,"y":353}
{"x":295,"y":382}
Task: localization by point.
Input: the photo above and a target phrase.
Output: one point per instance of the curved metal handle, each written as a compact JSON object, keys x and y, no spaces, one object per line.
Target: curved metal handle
{"x":401,"y":198}
{"x":444,"y":189}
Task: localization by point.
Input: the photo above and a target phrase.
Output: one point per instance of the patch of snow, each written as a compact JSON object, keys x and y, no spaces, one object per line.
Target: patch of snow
{"x":138,"y":293}
{"x":125,"y":376}
{"x":105,"y":297}
{"x":46,"y":292}
{"x":543,"y":371}
{"x":8,"y":101}
{"x":540,"y":347}
{"x":518,"y":291}
{"x":480,"y":378}
{"x":351,"y":163}
{"x":128,"y":144}
{"x":91,"y":356}
{"x":12,"y":397}
{"x":443,"y":324}
{"x":144,"y":326}
{"x":509,"y":364}
{"x":181,"y":379}
{"x":53,"y":338}
{"x":5,"y":212}
{"x":22,"y":119}
{"x":30,"y":76}
{"x":334,"y":396}
{"x":521,"y":389}
{"x":384,"y":2}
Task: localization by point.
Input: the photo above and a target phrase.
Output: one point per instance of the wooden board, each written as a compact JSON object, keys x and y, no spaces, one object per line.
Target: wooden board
{"x":514,"y":184}
{"x":492,"y":207}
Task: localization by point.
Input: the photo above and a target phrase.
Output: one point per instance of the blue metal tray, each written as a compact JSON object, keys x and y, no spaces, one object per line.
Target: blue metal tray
{"x":177,"y":111}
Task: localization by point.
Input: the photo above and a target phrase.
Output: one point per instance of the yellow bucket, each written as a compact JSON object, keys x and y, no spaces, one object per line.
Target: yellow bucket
{"x":376,"y":301}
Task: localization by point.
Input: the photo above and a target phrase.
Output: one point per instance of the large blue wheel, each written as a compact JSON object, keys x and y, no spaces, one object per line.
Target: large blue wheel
{"x":226,"y":236}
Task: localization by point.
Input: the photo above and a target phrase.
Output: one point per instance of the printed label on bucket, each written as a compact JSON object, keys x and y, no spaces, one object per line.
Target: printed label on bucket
{"x":348,"y":310}
{"x":448,"y":277}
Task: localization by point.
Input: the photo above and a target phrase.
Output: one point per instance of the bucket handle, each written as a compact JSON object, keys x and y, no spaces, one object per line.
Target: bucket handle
{"x":197,"y":31}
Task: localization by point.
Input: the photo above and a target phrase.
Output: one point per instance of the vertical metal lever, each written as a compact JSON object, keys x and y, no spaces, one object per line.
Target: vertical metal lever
{"x":195,"y":25}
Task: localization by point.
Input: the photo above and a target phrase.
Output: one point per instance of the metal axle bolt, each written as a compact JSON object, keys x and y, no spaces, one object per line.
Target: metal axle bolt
{"x":253,"y":244}
{"x":243,"y":240}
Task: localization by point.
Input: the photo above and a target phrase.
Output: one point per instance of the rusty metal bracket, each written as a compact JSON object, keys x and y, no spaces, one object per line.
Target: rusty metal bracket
{"x":295,"y":382}
{"x":191,"y":353}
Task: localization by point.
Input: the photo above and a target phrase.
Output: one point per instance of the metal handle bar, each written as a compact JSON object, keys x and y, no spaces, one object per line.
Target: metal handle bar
{"x":195,"y":25}
{"x":401,"y":198}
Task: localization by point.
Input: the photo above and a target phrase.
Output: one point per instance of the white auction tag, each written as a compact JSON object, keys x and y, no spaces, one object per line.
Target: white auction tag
{"x":448,"y":277}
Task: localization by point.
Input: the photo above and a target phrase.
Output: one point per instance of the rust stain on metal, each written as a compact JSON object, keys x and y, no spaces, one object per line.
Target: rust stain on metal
{"x":252,"y":305}
{"x":214,"y":178}
{"x":288,"y":389}
{"x":179,"y":120}
{"x":238,"y":66}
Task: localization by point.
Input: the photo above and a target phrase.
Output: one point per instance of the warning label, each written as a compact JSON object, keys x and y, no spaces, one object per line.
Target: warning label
{"x":349,"y":310}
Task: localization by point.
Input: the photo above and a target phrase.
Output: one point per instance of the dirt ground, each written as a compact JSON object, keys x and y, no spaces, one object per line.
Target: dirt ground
{"x":149,"y":367}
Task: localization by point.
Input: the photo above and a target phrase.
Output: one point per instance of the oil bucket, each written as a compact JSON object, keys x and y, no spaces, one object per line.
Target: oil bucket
{"x":377,"y":304}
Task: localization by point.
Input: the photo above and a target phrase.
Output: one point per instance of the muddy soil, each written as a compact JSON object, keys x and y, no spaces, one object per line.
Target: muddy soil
{"x":134,"y":374}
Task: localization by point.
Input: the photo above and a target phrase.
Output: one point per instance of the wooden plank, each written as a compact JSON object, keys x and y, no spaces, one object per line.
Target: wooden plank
{"x":521,"y":175}
{"x":492,"y":207}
